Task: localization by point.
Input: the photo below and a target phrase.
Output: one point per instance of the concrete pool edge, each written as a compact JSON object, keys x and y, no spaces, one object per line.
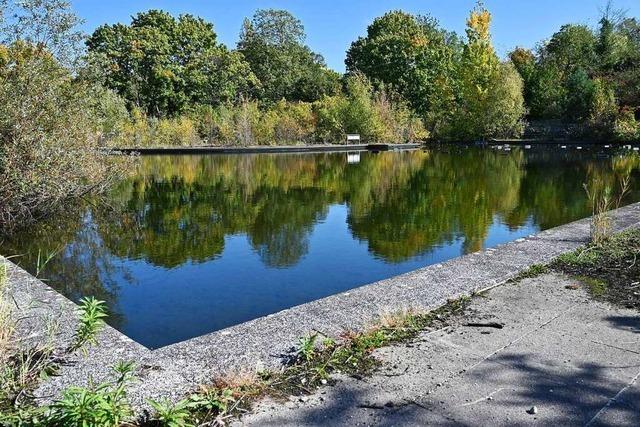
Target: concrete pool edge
{"x":175,"y":370}
{"x":292,"y":149}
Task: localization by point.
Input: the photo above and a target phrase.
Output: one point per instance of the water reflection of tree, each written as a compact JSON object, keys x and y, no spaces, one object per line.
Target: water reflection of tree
{"x":401,"y":204}
{"x":179,"y":209}
{"x":81,"y":265}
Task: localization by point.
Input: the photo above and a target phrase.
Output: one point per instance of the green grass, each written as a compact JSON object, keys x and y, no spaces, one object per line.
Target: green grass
{"x":597,"y":287}
{"x":534,"y":270}
{"x":610,"y":269}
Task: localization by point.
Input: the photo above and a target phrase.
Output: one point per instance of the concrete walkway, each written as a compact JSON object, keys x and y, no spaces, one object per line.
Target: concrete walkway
{"x":576,"y":360}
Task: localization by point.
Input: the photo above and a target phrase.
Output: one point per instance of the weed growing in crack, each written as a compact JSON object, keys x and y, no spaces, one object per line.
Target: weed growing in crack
{"x":92,"y":314}
{"x":534,"y":270}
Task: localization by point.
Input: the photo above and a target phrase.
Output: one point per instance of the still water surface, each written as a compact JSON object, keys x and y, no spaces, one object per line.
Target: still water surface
{"x":194,"y":244}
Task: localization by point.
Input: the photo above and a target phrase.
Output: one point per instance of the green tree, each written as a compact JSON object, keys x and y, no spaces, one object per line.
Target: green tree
{"x":166,"y":65}
{"x":272,"y":42}
{"x":490,"y":101}
{"x":579,"y":95}
{"x":412,"y":55}
{"x":573,"y":47}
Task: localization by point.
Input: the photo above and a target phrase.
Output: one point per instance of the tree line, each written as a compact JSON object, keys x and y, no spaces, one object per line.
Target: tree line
{"x":407,"y":79}
{"x":588,"y":77}
{"x":164,"y":80}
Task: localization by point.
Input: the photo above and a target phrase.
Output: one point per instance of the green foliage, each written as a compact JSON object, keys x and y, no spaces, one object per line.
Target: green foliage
{"x":50,"y":135}
{"x":272,"y":42}
{"x":626,"y":128}
{"x":164,"y":65}
{"x":172,"y":415}
{"x":597,"y":287}
{"x":604,"y":108}
{"x":103,"y":405}
{"x":490,"y":102}
{"x":92,"y":312}
{"x":307,"y":347}
{"x":580,"y":91}
{"x":50,"y":25}
{"x":410,"y":53}
{"x":375,"y":116}
{"x":587,"y":76}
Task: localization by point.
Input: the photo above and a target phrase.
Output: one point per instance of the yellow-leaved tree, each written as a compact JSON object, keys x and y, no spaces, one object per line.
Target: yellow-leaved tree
{"x":490,"y":102}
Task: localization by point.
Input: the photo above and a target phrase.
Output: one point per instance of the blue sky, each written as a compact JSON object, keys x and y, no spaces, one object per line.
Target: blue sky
{"x":332,"y":25}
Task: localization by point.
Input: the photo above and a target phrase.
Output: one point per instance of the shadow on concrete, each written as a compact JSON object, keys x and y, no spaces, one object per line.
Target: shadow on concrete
{"x":626,"y":323}
{"x":564,"y":395}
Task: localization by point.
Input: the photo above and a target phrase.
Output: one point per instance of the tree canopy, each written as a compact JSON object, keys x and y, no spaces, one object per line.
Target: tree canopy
{"x":165,"y":65}
{"x":272,"y":42}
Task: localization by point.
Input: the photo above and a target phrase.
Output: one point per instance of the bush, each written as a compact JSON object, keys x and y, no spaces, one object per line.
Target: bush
{"x":603,"y":109}
{"x":294,"y":122}
{"x":377,"y":117}
{"x":142,"y":131}
{"x":49,"y":135}
{"x":178,"y":131}
{"x":399,"y":123}
{"x":625,"y":127}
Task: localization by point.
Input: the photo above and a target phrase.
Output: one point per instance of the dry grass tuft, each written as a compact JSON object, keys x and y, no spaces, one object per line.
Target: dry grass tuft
{"x":7,"y":325}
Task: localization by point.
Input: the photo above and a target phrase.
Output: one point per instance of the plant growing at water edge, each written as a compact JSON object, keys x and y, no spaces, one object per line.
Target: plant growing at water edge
{"x":602,"y":199}
{"x":306,"y":347}
{"x":92,"y":312}
{"x":97,"y":405}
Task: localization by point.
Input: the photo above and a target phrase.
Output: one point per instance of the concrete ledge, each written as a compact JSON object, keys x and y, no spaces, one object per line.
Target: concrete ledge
{"x":177,"y":369}
{"x":270,"y":149}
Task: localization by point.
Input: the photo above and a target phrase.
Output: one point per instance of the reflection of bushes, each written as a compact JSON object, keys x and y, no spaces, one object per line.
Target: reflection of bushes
{"x":179,"y":209}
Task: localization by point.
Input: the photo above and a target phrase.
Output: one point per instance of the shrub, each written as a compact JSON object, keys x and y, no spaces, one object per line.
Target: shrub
{"x":603,"y":109}
{"x":294,"y":122}
{"x":329,"y":125}
{"x":175,"y":131}
{"x":625,"y":127}
{"x":49,"y":136}
{"x":399,"y":123}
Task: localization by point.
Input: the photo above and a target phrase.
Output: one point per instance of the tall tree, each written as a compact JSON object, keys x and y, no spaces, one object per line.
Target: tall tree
{"x":272,"y":42}
{"x":48,"y":25}
{"x":410,"y":54}
{"x":490,"y":101}
{"x":165,"y":65}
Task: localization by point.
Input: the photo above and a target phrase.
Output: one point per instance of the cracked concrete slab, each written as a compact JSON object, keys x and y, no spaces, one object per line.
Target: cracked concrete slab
{"x":559,"y":351}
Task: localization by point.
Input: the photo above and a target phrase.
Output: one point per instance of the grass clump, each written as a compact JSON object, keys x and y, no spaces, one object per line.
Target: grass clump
{"x":610,"y":269}
{"x":602,"y":198}
{"x":534,"y":270}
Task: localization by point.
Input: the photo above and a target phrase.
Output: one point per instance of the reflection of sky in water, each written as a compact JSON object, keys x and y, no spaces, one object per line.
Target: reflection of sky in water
{"x":241,"y":286}
{"x":213,"y":241}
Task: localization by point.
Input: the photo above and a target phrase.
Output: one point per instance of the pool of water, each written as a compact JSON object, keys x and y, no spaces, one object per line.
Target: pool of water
{"x":193,"y":244}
